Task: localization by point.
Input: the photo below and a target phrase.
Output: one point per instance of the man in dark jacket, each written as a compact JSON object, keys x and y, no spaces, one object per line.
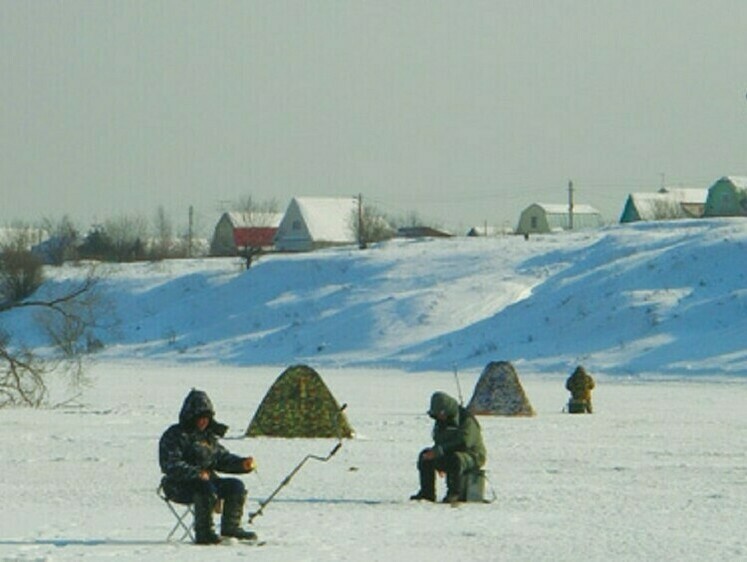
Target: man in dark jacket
{"x":190,"y":455}
{"x":457,"y":448}
{"x":579,"y":384}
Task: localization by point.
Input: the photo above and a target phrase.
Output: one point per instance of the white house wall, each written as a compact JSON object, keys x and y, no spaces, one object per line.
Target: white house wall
{"x":312,"y":222}
{"x":293,"y":234}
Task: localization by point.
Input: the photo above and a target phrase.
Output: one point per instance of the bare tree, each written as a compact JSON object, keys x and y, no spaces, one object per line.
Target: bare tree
{"x":65,"y":317}
{"x":129,"y":236}
{"x":20,"y":274}
{"x":411,"y":219}
{"x":63,"y":239}
{"x":97,"y":245}
{"x":122,"y":239}
{"x":164,"y":241}
{"x":370,"y":225}
{"x":258,"y":213}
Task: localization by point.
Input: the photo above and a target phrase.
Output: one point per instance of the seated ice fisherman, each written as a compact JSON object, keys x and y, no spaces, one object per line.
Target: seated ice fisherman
{"x":458,"y":448}
{"x":190,"y":455}
{"x":580,"y":384}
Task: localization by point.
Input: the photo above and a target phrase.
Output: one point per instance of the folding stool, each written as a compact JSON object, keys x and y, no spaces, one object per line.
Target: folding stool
{"x":184,"y":520}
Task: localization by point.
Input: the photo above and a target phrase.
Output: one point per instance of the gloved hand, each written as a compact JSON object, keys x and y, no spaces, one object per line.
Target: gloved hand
{"x":429,"y":454}
{"x":250,"y":464}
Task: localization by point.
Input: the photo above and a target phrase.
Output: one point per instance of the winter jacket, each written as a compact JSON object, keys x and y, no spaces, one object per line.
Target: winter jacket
{"x":459,"y":433}
{"x":184,"y":451}
{"x":580,"y":385}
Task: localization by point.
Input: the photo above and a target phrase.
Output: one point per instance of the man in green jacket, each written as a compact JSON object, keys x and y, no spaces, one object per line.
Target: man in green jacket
{"x":457,"y":448}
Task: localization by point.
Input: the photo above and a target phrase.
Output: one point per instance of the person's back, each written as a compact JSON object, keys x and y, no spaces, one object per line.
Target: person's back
{"x":580,"y":384}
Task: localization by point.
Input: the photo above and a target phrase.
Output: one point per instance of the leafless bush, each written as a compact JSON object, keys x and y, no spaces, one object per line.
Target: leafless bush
{"x":66,"y":320}
{"x":258,"y":209}
{"x":62,"y":243}
{"x":163,"y":243}
{"x":20,"y":274}
{"x":22,"y":376}
{"x":370,"y":225}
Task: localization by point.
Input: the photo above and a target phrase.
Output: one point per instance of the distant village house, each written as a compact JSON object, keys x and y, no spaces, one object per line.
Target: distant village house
{"x":542,"y":218}
{"x":422,"y":232}
{"x":727,"y":198}
{"x":665,"y":204}
{"x":239,"y":232}
{"x":311,"y":223}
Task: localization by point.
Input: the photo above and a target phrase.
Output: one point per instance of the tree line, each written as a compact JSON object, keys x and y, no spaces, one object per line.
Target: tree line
{"x":131,"y":238}
{"x":67,"y":315}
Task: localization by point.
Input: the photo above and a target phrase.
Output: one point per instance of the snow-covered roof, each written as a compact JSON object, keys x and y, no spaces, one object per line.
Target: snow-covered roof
{"x":489,"y":230}
{"x":738,"y":181}
{"x":558,"y":209}
{"x":685,"y":194}
{"x":680,"y":195}
{"x":667,"y":203}
{"x":329,"y":219}
{"x":241,"y":219}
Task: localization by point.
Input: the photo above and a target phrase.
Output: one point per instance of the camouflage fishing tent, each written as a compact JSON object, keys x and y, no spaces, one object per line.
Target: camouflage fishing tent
{"x":498,"y":392}
{"x":299,"y":404}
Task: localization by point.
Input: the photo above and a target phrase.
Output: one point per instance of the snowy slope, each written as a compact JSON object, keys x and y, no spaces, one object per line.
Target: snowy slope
{"x":666,"y":299}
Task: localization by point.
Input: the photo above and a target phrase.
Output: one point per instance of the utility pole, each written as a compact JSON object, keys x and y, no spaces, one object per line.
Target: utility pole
{"x":570,"y":205}
{"x":361,"y":238}
{"x":190,"y":230}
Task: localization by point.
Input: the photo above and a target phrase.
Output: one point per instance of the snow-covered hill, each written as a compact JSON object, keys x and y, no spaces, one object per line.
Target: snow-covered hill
{"x":653,"y":298}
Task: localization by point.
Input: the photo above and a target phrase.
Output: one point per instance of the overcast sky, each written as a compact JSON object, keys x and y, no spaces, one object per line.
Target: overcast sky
{"x":462,"y":112}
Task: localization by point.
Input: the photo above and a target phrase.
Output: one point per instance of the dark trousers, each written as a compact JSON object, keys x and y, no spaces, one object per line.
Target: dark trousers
{"x":453,"y":464}
{"x":579,"y":406}
{"x":223,"y":488}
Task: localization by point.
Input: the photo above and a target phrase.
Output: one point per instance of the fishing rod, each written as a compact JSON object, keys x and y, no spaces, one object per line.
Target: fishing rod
{"x":298,"y":467}
{"x":459,"y":387}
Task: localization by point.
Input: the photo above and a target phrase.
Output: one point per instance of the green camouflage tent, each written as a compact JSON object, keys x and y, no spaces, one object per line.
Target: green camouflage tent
{"x":299,"y":404}
{"x":498,"y":392}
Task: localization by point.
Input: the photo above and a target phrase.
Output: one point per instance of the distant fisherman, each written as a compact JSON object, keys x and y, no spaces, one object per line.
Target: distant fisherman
{"x":580,"y":384}
{"x":458,"y":448}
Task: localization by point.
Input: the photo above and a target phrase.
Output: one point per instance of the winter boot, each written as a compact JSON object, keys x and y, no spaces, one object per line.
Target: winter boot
{"x":427,"y":490}
{"x":230,"y":523}
{"x":454,"y":487}
{"x":204,"y":530}
{"x":420,"y":495}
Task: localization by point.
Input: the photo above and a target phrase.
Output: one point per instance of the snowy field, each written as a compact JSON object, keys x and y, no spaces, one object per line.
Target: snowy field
{"x":657,"y":473}
{"x":656,"y":313}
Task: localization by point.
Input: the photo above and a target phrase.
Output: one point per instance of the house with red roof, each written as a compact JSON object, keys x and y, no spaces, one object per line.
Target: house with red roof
{"x":240,"y":232}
